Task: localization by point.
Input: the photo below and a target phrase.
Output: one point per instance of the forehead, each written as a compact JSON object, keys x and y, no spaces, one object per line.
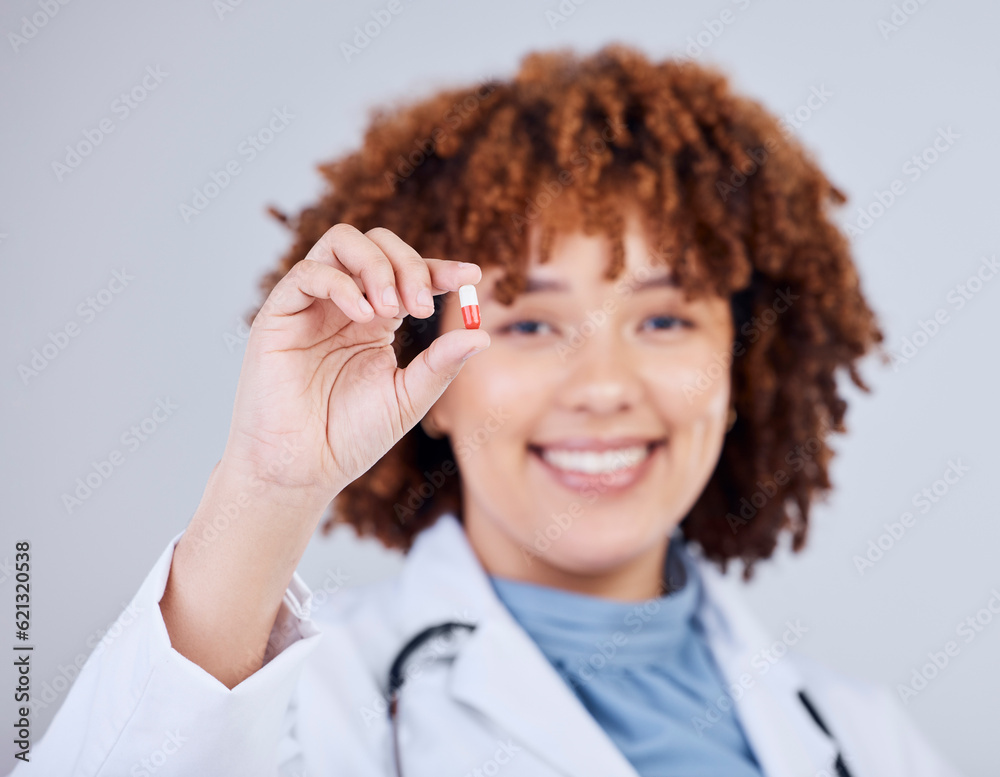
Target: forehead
{"x":578,"y":258}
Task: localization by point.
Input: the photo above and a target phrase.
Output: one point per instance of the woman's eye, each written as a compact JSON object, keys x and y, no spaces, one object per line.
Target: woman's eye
{"x":534,"y":327}
{"x":525,"y":327}
{"x":668,"y":322}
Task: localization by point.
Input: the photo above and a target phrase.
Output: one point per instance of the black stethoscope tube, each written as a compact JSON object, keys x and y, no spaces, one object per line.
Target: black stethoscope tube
{"x":396,"y":679}
{"x":396,"y":676}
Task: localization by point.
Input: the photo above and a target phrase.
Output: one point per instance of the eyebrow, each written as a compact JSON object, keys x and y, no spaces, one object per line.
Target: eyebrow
{"x":550,"y":284}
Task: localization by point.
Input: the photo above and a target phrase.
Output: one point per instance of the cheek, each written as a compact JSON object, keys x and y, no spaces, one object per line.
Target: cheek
{"x":494,"y":398}
{"x":694,"y":382}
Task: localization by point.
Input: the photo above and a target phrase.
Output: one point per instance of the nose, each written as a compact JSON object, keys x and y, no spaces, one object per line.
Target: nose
{"x":603,"y":375}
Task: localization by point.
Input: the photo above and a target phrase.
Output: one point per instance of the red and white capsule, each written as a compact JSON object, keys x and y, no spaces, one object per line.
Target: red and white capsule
{"x":470,"y":306}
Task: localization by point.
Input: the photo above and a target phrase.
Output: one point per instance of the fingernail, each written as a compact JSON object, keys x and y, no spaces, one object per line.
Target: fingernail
{"x":472,"y":353}
{"x":424,"y":299}
{"x":389,"y":297}
{"x":364,"y":306}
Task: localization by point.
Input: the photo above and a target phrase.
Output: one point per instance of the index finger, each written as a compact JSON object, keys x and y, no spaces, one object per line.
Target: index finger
{"x":345,"y":248}
{"x":447,"y":275}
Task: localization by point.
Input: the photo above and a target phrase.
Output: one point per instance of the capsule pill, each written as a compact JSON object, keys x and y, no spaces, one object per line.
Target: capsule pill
{"x":470,"y":306}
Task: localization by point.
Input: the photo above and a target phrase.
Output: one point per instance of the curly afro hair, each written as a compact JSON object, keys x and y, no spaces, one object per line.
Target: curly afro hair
{"x":739,"y":205}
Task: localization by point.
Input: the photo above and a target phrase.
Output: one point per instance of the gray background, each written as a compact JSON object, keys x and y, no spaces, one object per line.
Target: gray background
{"x":170,"y":333}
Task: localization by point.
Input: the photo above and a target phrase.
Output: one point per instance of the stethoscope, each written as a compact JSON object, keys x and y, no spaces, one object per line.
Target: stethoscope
{"x":397,"y":677}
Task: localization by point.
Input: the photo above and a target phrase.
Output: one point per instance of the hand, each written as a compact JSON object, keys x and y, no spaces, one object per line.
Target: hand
{"x":320,"y":397}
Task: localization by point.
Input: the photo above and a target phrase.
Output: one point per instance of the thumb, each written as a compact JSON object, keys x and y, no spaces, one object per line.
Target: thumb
{"x":428,"y":375}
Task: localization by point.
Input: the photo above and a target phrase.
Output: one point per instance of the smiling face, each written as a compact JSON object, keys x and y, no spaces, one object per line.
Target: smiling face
{"x":583,"y":434}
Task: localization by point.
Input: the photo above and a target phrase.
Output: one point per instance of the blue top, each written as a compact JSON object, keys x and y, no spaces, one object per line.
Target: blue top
{"x":642,"y":669}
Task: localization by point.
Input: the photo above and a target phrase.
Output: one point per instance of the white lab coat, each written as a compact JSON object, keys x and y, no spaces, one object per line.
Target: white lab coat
{"x":315,"y":709}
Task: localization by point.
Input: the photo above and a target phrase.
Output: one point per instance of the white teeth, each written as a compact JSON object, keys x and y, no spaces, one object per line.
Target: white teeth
{"x":594,"y":463}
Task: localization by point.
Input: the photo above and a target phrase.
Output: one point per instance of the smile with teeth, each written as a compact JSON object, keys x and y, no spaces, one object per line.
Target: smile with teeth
{"x":594,"y":462}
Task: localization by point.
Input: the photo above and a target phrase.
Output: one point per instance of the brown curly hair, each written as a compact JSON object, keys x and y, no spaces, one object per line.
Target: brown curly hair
{"x":739,"y":206}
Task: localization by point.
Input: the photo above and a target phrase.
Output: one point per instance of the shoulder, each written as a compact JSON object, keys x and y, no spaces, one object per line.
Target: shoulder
{"x":822,"y":679}
{"x":870,"y":724}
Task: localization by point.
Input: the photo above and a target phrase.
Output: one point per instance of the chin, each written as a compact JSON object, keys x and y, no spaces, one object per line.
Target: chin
{"x":589,"y":552}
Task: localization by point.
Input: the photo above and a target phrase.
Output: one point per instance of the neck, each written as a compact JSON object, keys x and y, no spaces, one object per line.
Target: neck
{"x":637,"y":579}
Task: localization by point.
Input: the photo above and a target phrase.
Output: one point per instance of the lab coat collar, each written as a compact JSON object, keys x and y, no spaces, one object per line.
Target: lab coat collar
{"x":501,"y":672}
{"x":782,"y":734}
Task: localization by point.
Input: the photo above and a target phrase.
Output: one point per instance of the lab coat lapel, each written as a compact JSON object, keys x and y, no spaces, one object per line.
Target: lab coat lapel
{"x":786,"y":741}
{"x":499,"y":670}
{"x":503,"y":674}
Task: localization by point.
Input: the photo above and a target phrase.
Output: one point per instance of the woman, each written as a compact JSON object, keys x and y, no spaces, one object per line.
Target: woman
{"x":665,"y":304}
